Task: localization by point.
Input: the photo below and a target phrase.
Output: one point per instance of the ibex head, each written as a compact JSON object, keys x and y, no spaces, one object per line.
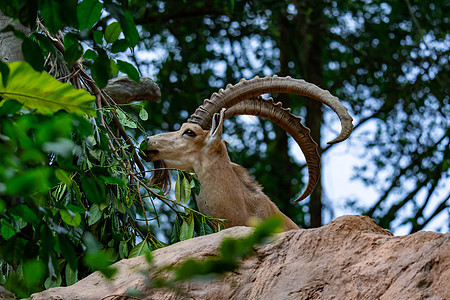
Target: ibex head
{"x":187,"y":147}
{"x":184,"y":148}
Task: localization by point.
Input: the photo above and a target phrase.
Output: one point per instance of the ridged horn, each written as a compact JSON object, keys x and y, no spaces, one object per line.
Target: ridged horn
{"x":247,"y":89}
{"x":267,"y":109}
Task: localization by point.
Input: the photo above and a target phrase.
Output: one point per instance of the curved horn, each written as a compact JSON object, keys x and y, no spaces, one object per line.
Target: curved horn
{"x":247,"y":89}
{"x":267,"y":109}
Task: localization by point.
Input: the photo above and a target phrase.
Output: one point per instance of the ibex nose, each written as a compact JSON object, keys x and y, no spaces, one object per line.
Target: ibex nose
{"x":145,"y":150}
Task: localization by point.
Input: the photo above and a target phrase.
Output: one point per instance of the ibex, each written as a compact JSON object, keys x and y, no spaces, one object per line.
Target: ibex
{"x":228,"y":190}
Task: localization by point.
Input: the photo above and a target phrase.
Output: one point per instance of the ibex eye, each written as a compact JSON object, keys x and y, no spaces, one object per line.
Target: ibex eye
{"x":189,"y":133}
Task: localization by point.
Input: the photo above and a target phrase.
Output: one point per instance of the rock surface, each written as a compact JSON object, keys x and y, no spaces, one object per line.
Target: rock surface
{"x":124,"y":90}
{"x":350,"y":258}
{"x":10,"y":46}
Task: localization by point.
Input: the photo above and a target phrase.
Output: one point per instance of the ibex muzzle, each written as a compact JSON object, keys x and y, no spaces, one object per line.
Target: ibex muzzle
{"x":228,"y":190}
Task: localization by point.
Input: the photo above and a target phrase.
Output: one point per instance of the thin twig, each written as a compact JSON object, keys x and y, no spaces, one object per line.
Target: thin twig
{"x":142,"y":205}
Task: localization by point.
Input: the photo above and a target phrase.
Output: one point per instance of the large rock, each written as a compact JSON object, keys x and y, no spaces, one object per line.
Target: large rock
{"x":350,"y":258}
{"x":124,"y":90}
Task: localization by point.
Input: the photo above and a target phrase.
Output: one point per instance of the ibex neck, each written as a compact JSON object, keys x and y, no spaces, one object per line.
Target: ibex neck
{"x":221,"y":189}
{"x":214,"y":170}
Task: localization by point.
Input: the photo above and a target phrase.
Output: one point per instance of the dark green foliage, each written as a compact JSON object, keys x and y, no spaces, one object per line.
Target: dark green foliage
{"x":88,"y":13}
{"x":4,"y":70}
{"x":33,"y":54}
{"x":128,"y":69}
{"x":387,"y":61}
{"x":69,"y":205}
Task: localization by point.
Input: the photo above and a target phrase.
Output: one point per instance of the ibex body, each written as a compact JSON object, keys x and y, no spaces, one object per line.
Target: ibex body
{"x":228,"y":191}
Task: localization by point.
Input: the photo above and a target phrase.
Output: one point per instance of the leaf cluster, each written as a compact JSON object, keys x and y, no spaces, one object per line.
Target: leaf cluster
{"x":59,"y":181}
{"x":94,"y":32}
{"x":71,"y":200}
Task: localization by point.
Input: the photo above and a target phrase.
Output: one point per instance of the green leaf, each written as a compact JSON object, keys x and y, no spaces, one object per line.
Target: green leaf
{"x":98,"y":37}
{"x":10,"y":107}
{"x":63,"y":177}
{"x":175,"y":234}
{"x":187,"y":229}
{"x":13,"y":251}
{"x":112,"y":32}
{"x":128,"y":69}
{"x":70,"y":218}
{"x":143,"y":115}
{"x":2,"y":207}
{"x":95,"y":214}
{"x":90,"y":54}
{"x":51,"y":12}
{"x":178,"y":188}
{"x":77,"y":209}
{"x":73,"y":53}
{"x":50,"y":283}
{"x":129,"y":29}
{"x":94,"y":189}
{"x":4,"y":71}
{"x":185,"y":190}
{"x":100,"y":260}
{"x":25,"y":213}
{"x":119,"y":46}
{"x":32,"y":54}
{"x":88,"y":13}
{"x":68,"y":251}
{"x":205,"y":229}
{"x":70,"y":39}
{"x":232,"y":5}
{"x":196,"y":186}
{"x":114,"y":68}
{"x":33,"y":273}
{"x":43,"y":92}
{"x":119,"y":205}
{"x":7,"y":231}
{"x":184,"y":231}
{"x":101,"y":70}
{"x":124,"y":120}
{"x":57,"y":14}
{"x":140,"y":249}
{"x":71,"y":275}
{"x":113,"y":180}
{"x":45,"y":43}
{"x":123,"y":249}
{"x":29,"y":181}
{"x":182,"y":189}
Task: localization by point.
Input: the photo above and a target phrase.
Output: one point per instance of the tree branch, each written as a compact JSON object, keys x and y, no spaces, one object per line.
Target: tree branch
{"x":443,"y":205}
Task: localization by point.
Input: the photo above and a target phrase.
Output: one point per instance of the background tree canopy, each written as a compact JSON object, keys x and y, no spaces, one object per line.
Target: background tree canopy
{"x":387,"y":61}
{"x":71,"y":186}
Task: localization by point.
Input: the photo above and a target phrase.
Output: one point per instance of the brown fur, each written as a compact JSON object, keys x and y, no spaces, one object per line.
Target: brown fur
{"x":228,"y":190}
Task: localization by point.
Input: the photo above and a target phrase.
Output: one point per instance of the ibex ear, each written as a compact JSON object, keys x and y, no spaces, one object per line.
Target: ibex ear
{"x":215,"y":134}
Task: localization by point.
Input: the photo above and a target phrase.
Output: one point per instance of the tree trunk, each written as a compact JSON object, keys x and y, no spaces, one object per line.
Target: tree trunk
{"x":313,"y":121}
{"x":285,"y":169}
{"x":312,"y":37}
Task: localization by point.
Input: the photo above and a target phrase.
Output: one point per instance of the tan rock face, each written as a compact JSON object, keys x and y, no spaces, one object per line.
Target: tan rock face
{"x":350,"y":258}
